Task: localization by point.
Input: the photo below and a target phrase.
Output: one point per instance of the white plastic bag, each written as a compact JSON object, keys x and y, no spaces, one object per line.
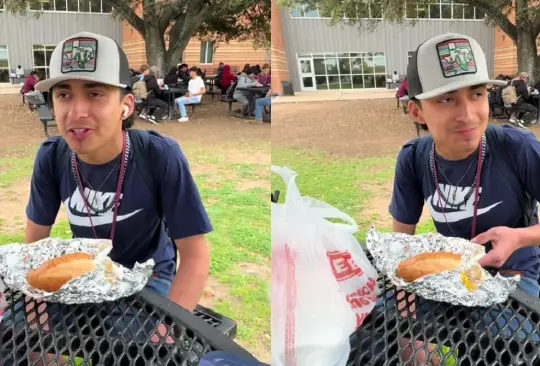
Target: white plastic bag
{"x":323,"y":286}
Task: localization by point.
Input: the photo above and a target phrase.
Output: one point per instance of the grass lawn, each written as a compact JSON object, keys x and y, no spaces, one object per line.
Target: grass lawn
{"x":347,"y":184}
{"x":236,"y":197}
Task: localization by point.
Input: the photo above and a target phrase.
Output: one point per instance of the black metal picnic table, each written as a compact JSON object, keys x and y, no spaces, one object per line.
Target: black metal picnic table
{"x":254,"y":91}
{"x":91,"y":338}
{"x":377,"y":341}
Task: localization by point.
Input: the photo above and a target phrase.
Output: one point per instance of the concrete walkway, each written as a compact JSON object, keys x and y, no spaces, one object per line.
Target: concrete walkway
{"x":7,"y":88}
{"x":333,"y":95}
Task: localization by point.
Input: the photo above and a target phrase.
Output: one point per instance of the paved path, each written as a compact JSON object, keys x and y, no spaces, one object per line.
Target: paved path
{"x":320,"y":96}
{"x":7,"y":88}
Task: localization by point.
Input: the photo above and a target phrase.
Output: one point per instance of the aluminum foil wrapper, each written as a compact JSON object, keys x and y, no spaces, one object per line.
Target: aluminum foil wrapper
{"x":108,"y":282}
{"x":389,"y":249}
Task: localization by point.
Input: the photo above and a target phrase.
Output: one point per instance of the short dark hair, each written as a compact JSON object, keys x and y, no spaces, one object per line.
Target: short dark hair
{"x":34,"y":72}
{"x":183,"y":65}
{"x":252,"y":70}
{"x":126,"y":123}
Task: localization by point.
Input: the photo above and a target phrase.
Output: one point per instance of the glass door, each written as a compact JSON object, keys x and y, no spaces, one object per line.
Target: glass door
{"x":307,"y":74}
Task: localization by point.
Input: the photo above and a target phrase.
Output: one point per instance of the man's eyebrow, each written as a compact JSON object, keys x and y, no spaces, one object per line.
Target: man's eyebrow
{"x":86,"y":86}
{"x":473,"y":87}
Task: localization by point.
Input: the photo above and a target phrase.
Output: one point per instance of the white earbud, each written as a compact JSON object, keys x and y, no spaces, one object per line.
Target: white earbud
{"x":126,"y":111}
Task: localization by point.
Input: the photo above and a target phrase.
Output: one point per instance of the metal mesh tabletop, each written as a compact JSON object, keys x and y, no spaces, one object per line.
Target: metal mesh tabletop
{"x":111,"y":333}
{"x":505,"y":334}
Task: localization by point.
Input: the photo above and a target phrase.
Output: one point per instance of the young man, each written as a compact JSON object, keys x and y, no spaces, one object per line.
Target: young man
{"x":246,"y":79}
{"x":260,"y":104}
{"x":523,"y":105}
{"x":196,"y":89}
{"x":116,"y":183}
{"x":478,"y":182}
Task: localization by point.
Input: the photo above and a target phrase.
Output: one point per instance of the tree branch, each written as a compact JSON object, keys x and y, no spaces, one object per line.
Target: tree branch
{"x":497,"y":11}
{"x":183,"y":29}
{"x":126,"y":10}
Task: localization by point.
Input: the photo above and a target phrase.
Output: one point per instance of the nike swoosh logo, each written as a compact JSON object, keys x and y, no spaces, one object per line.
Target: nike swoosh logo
{"x":105,"y":219}
{"x":456,"y":216}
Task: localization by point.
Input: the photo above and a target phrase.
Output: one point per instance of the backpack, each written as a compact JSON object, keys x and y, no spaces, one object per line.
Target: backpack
{"x":139,"y":90}
{"x":230,"y":91}
{"x":501,"y":156}
{"x":509,"y":96}
{"x":140,"y":142}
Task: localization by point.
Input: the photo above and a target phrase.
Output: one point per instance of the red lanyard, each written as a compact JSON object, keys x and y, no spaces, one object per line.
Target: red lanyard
{"x":119,"y":185}
{"x":476,"y":189}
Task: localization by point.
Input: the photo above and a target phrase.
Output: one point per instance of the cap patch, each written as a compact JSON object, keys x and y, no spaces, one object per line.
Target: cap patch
{"x":456,"y":57}
{"x":79,"y":54}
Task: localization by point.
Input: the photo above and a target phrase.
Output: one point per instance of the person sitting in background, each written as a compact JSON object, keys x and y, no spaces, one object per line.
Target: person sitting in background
{"x":171,"y":79}
{"x":19,"y":72}
{"x":264,"y":76}
{"x":183,"y":74}
{"x":403,"y":95}
{"x":245,"y":69}
{"x":196,"y":89}
{"x":245,"y":80}
{"x":155,"y":99}
{"x":143,"y":71}
{"x":217,"y":79}
{"x":260,"y":104}
{"x":227,"y":79}
{"x":395,"y":77}
{"x":30,"y":82}
{"x":523,"y":106}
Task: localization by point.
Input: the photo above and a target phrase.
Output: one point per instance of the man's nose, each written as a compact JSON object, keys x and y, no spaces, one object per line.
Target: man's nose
{"x":465,"y":110}
{"x":80,"y":108}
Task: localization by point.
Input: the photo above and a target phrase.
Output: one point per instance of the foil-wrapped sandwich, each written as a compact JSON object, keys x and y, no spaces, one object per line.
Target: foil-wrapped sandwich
{"x":438,"y":268}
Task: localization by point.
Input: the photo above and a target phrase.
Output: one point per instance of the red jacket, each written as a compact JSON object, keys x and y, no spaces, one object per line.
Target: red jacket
{"x":29,"y":84}
{"x":227,"y":78}
{"x":403,"y":89}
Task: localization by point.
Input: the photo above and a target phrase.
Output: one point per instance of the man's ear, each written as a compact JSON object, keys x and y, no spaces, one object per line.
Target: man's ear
{"x":416,"y":113}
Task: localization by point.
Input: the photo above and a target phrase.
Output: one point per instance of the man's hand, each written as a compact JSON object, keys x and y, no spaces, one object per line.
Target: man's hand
{"x":504,"y":241}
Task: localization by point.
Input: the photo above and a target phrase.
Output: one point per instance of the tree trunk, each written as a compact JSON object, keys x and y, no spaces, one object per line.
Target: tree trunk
{"x":174,"y":53}
{"x":155,"y":48}
{"x":526,"y":54}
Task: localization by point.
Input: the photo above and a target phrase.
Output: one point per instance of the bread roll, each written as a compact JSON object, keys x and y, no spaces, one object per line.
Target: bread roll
{"x":426,"y":264}
{"x":55,"y":273}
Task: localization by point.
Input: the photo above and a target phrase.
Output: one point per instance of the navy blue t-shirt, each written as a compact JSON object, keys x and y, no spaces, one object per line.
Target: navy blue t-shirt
{"x":140,"y":233}
{"x":498,"y":203}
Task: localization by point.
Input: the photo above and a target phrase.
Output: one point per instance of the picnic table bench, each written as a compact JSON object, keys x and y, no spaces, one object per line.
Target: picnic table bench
{"x":46,"y":118}
{"x":91,"y":339}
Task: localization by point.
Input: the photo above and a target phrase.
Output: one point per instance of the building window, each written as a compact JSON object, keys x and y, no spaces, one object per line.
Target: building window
{"x":443,"y":9}
{"x":355,"y":70}
{"x":373,"y":10}
{"x":2,"y":5}
{"x":207,"y":52}
{"x":4,"y":64}
{"x":42,"y":57}
{"x":80,"y":6}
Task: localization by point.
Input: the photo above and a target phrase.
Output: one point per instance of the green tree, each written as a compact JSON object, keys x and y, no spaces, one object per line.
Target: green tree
{"x":524,"y":30}
{"x":167,"y":26}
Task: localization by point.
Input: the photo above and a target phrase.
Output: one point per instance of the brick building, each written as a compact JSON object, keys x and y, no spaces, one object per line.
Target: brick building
{"x":205,"y":54}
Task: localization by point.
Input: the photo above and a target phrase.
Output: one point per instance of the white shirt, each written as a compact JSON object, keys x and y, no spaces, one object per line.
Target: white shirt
{"x":395,"y":77}
{"x":195,"y":85}
{"x":19,"y":72}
